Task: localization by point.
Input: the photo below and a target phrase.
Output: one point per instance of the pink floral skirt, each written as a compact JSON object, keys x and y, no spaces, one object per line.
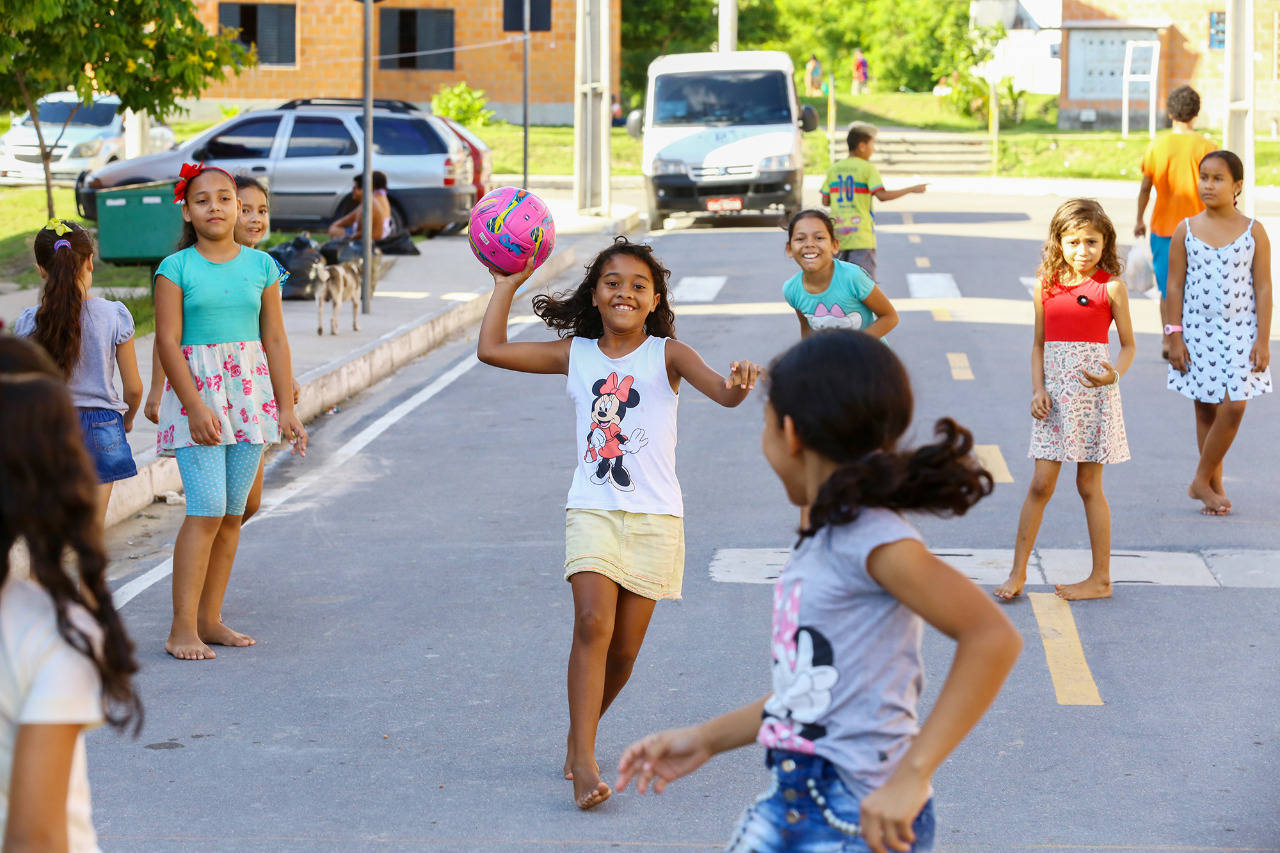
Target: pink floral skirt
{"x":233,"y":380}
{"x":1084,"y":424}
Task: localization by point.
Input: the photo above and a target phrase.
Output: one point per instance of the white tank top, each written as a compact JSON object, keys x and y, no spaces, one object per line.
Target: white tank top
{"x":624,"y":429}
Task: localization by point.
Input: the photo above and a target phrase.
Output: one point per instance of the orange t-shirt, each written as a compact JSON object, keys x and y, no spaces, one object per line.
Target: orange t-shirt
{"x":1172,"y":160}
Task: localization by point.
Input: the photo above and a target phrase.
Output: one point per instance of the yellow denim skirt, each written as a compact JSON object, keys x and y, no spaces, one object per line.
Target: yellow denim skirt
{"x":639,"y":551}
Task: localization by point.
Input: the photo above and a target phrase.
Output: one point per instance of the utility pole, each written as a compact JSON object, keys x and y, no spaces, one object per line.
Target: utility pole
{"x":591,"y":118}
{"x":1237,"y":128}
{"x":527,"y":15}
{"x":366,"y":191}
{"x":728,"y":39}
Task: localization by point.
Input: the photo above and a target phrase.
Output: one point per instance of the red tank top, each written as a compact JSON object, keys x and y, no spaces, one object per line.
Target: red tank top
{"x":1080,"y":312}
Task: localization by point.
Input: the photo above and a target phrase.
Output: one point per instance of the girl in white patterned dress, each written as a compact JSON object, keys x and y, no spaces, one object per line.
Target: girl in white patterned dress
{"x":1220,"y":298}
{"x":1076,"y":400}
{"x":220,"y":338}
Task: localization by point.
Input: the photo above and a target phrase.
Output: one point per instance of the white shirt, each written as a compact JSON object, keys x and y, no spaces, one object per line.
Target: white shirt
{"x":44,"y":680}
{"x":624,"y":429}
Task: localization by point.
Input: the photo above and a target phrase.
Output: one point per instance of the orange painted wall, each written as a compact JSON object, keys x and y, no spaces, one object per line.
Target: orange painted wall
{"x":329,"y":36}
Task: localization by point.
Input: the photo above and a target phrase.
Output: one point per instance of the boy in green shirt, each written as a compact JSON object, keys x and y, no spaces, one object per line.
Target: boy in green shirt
{"x":848,"y":189}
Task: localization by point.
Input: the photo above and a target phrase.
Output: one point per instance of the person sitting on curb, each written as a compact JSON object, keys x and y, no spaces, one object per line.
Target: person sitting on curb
{"x":349,"y":225}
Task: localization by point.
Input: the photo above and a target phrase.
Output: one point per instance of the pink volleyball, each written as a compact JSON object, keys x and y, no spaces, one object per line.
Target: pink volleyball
{"x":508,"y":226}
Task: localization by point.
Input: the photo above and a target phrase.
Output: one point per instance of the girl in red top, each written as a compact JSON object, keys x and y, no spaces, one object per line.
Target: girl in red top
{"x":1075,"y":401}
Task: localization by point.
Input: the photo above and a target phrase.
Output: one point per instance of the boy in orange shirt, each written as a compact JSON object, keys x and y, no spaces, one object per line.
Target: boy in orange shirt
{"x":1172,"y":165}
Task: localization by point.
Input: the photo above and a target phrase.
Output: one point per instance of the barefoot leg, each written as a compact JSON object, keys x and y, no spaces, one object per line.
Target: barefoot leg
{"x":1097,"y":514}
{"x":1039,"y":492}
{"x":1204,"y":422}
{"x":190,"y":565}
{"x":1217,"y":441}
{"x":221,"y":558}
{"x":595,"y":601}
{"x":254,"y":500}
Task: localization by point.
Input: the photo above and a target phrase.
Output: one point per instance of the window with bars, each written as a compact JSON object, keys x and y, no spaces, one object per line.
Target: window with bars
{"x":539,"y":15}
{"x":411,"y":31}
{"x":272,"y":27}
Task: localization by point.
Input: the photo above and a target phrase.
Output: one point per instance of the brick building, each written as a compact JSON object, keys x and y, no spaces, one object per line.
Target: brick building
{"x":1191,"y":35}
{"x":313,"y":48}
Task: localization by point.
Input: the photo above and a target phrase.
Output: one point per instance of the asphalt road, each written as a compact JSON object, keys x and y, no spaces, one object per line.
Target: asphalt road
{"x":407,"y":689}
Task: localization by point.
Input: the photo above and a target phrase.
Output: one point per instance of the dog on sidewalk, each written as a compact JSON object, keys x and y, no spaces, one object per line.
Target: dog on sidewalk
{"x":340,"y":283}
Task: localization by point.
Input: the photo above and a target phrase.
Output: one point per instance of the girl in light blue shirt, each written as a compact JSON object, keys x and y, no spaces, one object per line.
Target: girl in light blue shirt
{"x":829,"y":293}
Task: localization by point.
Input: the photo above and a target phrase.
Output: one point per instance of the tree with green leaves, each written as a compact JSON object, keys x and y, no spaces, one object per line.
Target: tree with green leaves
{"x":150,"y":53}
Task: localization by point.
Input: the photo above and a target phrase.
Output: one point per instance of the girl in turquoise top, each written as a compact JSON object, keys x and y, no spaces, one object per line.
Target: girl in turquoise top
{"x":828,"y":293}
{"x":220,"y":338}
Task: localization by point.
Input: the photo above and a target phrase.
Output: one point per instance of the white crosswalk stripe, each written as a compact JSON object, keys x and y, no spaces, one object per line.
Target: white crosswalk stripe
{"x":697,"y":288}
{"x":1240,"y":568}
{"x":932,"y":285}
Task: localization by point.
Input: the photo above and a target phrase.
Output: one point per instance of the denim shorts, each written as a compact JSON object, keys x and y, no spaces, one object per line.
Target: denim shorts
{"x":104,"y":437}
{"x":865,"y":258}
{"x":809,"y":809}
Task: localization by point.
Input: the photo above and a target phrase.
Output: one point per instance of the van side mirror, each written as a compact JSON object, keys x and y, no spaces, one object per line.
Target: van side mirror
{"x":635,"y":123}
{"x":808,"y":118}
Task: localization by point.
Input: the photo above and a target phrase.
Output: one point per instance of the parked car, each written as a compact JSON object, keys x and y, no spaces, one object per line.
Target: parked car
{"x":93,"y":138}
{"x":481,"y":156}
{"x":309,"y":150}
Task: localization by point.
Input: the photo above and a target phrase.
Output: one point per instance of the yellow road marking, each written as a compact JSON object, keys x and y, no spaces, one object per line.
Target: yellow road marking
{"x":993,"y":460}
{"x":1072,"y":681}
{"x":908,"y":219}
{"x":923,"y":263}
{"x":959,"y":365}
{"x":913,"y":238}
{"x":941,"y":315}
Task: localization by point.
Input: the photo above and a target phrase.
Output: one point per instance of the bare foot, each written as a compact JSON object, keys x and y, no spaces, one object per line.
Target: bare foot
{"x":219,"y":634}
{"x":1214,"y":502}
{"x":1084,"y":590}
{"x":591,"y":791}
{"x":188,"y":648}
{"x":1012,"y":588}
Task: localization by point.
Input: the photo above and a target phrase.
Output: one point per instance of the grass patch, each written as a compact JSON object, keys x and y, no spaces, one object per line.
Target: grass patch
{"x":551,"y":149}
{"x":1103,"y":155}
{"x":184,"y":130}
{"x":924,"y":111}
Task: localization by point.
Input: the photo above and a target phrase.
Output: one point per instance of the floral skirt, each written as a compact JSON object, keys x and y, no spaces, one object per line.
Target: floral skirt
{"x":233,"y":380}
{"x":1084,"y":424}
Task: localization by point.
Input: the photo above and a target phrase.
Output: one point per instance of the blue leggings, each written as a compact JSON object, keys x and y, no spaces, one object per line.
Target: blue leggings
{"x":217,"y":478}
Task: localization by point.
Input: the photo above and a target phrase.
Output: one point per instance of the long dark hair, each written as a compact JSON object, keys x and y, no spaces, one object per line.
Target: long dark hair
{"x":47,"y":498}
{"x":850,"y":400}
{"x":58,"y":327}
{"x":189,"y":236}
{"x":19,"y":355}
{"x":572,"y":315}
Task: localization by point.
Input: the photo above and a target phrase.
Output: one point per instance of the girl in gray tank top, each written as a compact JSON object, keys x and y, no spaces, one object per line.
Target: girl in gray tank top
{"x":848,"y":757}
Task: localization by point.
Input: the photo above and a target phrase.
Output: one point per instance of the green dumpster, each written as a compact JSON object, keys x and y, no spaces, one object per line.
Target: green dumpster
{"x":139,"y":223}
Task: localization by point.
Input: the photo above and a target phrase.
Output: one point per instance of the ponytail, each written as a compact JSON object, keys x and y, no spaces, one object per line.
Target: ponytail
{"x":942,"y":478}
{"x":849,"y":399}
{"x":61,"y":250}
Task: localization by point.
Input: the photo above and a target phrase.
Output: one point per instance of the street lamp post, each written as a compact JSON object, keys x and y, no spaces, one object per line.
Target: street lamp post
{"x":366,"y":191}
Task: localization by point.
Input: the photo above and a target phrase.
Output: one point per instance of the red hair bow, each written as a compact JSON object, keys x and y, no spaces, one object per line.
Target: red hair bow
{"x":188,"y":171}
{"x":622,"y":390}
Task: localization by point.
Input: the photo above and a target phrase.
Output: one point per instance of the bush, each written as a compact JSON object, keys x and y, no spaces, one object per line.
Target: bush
{"x":969,"y":94}
{"x":462,"y":104}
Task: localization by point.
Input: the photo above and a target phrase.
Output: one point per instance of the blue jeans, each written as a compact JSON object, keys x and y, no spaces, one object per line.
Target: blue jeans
{"x":104,"y":438}
{"x":808,"y":809}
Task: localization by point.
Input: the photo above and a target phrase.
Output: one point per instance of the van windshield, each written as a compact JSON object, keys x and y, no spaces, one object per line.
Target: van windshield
{"x":98,"y":114}
{"x":721,"y":98}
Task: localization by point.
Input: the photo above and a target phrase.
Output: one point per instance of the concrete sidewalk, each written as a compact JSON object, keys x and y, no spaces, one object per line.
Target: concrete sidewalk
{"x":420,"y":301}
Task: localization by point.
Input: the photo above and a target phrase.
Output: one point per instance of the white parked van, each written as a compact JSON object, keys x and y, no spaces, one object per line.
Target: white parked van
{"x":722,"y":133}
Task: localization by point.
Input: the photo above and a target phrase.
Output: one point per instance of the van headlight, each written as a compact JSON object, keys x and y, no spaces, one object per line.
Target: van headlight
{"x":668,"y":167}
{"x":87,"y":149}
{"x":778,"y":163}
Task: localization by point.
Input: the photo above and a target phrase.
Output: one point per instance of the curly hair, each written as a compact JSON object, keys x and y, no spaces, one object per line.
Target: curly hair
{"x":47,"y":498}
{"x":62,"y":257}
{"x":850,"y":400}
{"x":1183,"y":104}
{"x":572,"y":314}
{"x":1073,"y":214}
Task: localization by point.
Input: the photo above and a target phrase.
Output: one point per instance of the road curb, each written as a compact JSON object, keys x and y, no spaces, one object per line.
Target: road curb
{"x":329,"y":384}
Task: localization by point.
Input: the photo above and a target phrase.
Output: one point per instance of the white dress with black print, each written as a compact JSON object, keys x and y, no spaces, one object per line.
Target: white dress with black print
{"x":1219,"y":322}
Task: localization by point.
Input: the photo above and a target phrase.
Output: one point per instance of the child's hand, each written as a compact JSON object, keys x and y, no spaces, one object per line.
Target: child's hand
{"x":662,"y":758}
{"x":151,"y":410}
{"x":1260,"y":356}
{"x":919,"y":188}
{"x":1179,"y":358}
{"x":292,"y":431}
{"x":128,"y":423}
{"x":1041,"y":404}
{"x":514,"y":280}
{"x":743,"y":374}
{"x":889,"y":811}
{"x":204,"y":425}
{"x":1098,"y":380}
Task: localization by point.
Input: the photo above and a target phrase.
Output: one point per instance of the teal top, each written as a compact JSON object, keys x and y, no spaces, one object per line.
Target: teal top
{"x":840,"y":306}
{"x":220,"y":302}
